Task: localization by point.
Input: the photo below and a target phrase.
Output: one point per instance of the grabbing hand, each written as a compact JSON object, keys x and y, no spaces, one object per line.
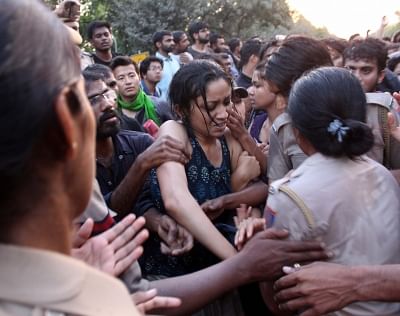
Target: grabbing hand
{"x":165,"y":148}
{"x":147,"y":301}
{"x":176,"y":239}
{"x":316,"y":289}
{"x":248,"y":165}
{"x":267,"y":252}
{"x":114,"y":250}
{"x":213,"y":208}
{"x":247,"y":228}
{"x":242,"y":212}
{"x":236,"y":124}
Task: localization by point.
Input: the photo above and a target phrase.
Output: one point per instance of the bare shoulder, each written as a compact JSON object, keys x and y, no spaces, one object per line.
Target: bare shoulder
{"x":174,"y":129}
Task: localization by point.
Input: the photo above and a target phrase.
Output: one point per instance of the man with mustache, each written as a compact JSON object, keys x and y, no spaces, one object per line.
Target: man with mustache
{"x":124,"y":158}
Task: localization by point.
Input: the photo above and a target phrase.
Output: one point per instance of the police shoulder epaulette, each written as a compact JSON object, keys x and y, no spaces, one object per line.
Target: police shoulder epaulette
{"x":280,"y":121}
{"x":274,"y":186}
{"x":380,"y":98}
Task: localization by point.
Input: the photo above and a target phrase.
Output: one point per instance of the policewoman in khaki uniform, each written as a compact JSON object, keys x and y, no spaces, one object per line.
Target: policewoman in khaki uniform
{"x":295,"y":56}
{"x":46,"y":171}
{"x":338,"y":195}
{"x":305,"y":54}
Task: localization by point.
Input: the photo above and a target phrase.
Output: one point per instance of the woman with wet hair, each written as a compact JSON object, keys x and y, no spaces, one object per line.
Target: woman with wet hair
{"x":200,"y":93}
{"x":46,"y":169}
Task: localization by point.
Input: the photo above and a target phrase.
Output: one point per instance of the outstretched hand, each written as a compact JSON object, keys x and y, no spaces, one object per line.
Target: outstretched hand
{"x":114,"y":250}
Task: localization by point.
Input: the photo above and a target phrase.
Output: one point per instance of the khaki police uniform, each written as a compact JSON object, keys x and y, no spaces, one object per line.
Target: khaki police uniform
{"x":386,"y":149}
{"x":352,"y":206}
{"x":284,"y":154}
{"x":43,"y":283}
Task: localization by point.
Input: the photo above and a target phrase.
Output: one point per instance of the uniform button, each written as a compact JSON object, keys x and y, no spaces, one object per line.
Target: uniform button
{"x":109,"y":183}
{"x":120,"y":157}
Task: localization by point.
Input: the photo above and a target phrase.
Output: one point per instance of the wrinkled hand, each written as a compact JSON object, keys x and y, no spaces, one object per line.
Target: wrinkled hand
{"x":236,"y":124}
{"x":165,"y":148}
{"x":247,"y":228}
{"x":213,"y":208}
{"x":114,"y":250}
{"x":147,"y":301}
{"x":242,"y":212}
{"x":316,"y":289}
{"x":176,"y":239}
{"x":267,"y":252}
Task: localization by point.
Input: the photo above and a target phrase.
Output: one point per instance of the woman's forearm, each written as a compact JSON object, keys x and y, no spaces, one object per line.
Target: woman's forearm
{"x":187,"y":212}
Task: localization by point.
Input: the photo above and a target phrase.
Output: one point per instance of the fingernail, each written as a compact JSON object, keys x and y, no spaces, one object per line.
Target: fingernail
{"x":287,"y":269}
{"x":330,"y":254}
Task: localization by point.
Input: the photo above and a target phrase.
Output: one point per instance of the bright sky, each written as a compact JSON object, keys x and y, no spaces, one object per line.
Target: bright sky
{"x":346,"y":17}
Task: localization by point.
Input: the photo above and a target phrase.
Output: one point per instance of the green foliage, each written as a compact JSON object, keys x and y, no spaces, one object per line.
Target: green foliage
{"x":136,"y":20}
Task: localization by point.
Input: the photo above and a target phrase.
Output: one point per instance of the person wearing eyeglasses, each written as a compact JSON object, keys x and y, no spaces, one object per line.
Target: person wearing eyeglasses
{"x":151,"y":72}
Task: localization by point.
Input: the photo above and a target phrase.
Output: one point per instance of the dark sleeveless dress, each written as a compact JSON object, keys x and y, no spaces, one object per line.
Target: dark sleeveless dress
{"x":205,"y":182}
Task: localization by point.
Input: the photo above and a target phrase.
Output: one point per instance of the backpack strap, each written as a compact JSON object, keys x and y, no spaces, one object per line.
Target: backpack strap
{"x":300,"y":203}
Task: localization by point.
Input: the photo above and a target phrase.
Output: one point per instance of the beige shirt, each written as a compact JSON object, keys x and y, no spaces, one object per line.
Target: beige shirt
{"x":38,"y":282}
{"x":284,"y":153}
{"x":356,"y":209}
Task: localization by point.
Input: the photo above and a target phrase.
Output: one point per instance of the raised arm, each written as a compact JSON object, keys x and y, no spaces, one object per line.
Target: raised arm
{"x":180,"y":203}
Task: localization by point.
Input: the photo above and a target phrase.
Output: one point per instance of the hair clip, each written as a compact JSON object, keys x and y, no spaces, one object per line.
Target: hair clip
{"x":337,"y":129}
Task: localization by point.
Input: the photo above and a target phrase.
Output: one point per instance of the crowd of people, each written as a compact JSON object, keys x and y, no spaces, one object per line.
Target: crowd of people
{"x":212,"y":178}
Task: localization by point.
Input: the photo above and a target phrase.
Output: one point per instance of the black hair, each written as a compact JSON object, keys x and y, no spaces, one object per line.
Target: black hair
{"x":266,"y":46}
{"x":396,"y":37}
{"x":123,"y":61}
{"x":145,"y":64}
{"x":177,"y":36}
{"x":190,"y":82}
{"x":295,"y":56}
{"x":96,"y":25}
{"x":326,"y":97}
{"x":159,"y":35}
{"x":260,"y":68}
{"x":367,"y":49}
{"x":195,"y":27}
{"x":336,"y":43}
{"x":393,"y":62}
{"x":103,"y":70}
{"x":233,"y":43}
{"x":90,"y":77}
{"x":250,"y":47}
{"x":214,"y":38}
{"x":30,"y":80}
